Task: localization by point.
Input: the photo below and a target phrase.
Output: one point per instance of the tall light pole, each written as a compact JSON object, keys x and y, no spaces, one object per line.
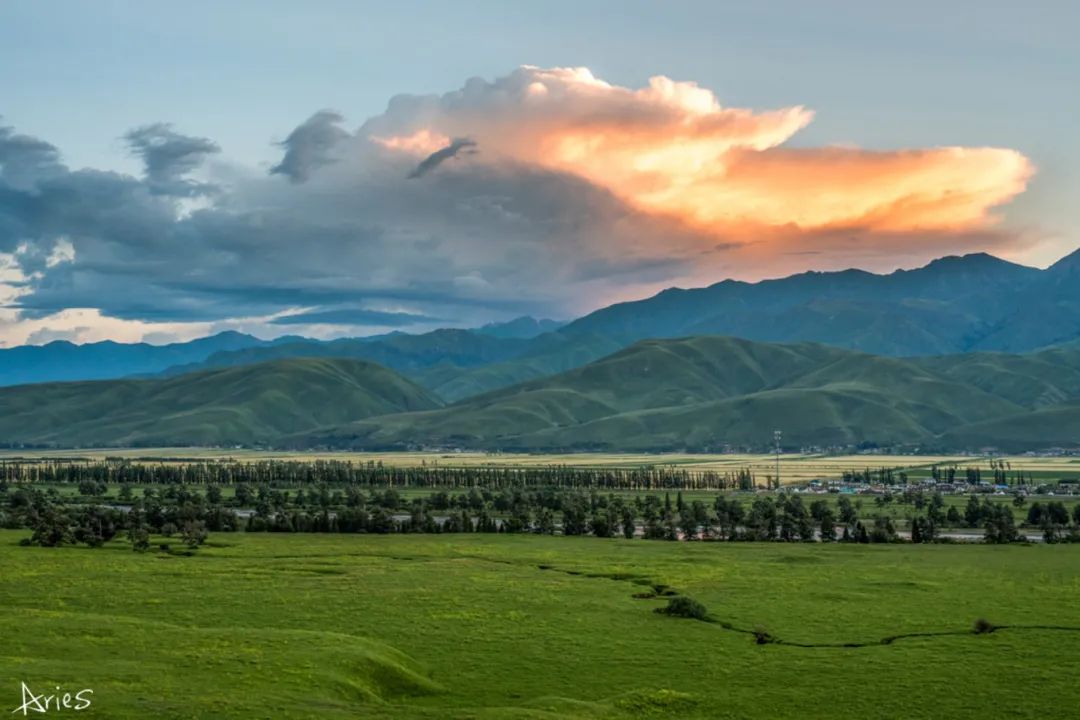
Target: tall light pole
{"x":776,"y":439}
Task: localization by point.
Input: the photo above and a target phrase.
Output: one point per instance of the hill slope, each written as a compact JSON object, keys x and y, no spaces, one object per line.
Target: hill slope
{"x":248,"y":405}
{"x":1057,"y":426}
{"x":708,"y":393}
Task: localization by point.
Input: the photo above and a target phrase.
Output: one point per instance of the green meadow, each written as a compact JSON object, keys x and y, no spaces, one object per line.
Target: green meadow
{"x":503,"y":626}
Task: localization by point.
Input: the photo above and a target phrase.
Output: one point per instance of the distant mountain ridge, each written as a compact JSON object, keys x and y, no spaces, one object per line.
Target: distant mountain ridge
{"x":955,"y":304}
{"x":452,"y":363}
{"x":523,"y":328}
{"x":62,"y":360}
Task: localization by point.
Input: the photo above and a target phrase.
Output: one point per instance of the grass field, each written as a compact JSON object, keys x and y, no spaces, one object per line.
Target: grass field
{"x":530,"y":627}
{"x":794,"y":468}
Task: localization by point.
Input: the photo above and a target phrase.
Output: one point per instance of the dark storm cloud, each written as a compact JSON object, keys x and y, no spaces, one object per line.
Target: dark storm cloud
{"x":438,"y":157}
{"x":310,"y":146}
{"x":168,"y":156}
{"x":24,"y":160}
{"x":355,"y":316}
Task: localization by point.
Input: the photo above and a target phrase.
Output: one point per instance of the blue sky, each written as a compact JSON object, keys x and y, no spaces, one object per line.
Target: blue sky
{"x":911,"y":75}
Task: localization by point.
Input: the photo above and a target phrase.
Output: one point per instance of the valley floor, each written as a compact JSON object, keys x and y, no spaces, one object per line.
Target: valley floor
{"x":492,"y":626}
{"x":794,"y":467}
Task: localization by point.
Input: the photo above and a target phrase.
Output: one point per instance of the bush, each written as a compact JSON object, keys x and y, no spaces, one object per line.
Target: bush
{"x":983,"y":627}
{"x":193,"y":534}
{"x":683,"y":606}
{"x":140,"y":539}
{"x":762,"y":636}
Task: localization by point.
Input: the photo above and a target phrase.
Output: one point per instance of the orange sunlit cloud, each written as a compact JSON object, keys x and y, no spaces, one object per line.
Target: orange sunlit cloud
{"x":421,"y":142}
{"x":672,"y":149}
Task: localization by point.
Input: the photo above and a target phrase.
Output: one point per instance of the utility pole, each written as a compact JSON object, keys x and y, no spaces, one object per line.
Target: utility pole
{"x":776,"y":439}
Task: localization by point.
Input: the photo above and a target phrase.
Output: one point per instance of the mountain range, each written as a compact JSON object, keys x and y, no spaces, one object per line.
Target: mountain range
{"x":63,"y":360}
{"x":965,"y":352}
{"x":703,"y":393}
{"x":713,"y":393}
{"x":954,"y":304}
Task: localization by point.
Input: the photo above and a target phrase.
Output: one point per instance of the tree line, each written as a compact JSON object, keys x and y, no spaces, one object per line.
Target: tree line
{"x":188,"y":514}
{"x":1001,"y":473}
{"x":370,"y":474}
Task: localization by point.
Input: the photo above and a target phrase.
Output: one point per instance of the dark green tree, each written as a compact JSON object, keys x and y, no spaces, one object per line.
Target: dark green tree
{"x":52,"y":528}
{"x":827,"y":525}
{"x":629,"y":526}
{"x":1000,"y":527}
{"x":973,"y":512}
{"x":193,"y":533}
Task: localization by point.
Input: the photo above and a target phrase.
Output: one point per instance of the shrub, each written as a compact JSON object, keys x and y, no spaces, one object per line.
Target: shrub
{"x":683,"y":606}
{"x":193,"y":534}
{"x":983,"y":627}
{"x":762,"y":636}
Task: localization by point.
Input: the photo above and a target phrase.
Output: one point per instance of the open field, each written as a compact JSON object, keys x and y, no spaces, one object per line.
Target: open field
{"x":794,"y":468}
{"x":530,"y":627}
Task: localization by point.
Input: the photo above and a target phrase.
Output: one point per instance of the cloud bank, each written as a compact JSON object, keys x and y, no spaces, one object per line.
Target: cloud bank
{"x":545,"y":192}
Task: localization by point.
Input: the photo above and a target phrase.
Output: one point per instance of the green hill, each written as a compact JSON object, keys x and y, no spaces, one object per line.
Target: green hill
{"x":702,"y":393}
{"x":545,"y":355}
{"x":246,"y":405}
{"x":1050,"y":427}
{"x":710,"y":393}
{"x":1032,"y":380}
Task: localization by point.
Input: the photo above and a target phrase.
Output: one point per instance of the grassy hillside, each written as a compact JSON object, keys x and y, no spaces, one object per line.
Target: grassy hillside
{"x":548,"y":354}
{"x":710,"y":393}
{"x":1049,"y":427}
{"x":245,"y":405}
{"x":1032,"y":380}
{"x":706,"y":393}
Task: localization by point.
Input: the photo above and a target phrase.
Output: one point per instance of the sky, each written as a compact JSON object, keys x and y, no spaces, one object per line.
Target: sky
{"x":342,"y":168}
